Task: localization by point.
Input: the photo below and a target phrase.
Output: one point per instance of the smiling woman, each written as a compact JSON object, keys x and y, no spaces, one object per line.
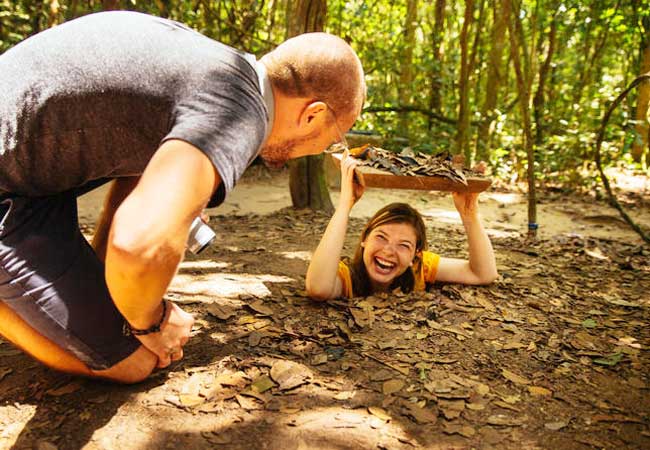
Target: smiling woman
{"x":392,"y":252}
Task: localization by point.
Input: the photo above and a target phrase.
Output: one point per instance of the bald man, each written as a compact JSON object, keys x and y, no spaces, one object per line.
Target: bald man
{"x":173,"y":119}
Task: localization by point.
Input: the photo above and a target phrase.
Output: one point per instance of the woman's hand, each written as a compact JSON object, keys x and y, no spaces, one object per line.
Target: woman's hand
{"x":466,"y":204}
{"x":351,"y":189}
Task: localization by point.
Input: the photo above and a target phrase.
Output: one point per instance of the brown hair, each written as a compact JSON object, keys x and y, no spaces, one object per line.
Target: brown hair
{"x":393,"y":213}
{"x":319,"y":66}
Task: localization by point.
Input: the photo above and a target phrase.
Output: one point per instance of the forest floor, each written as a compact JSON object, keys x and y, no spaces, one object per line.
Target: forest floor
{"x":553,"y":355}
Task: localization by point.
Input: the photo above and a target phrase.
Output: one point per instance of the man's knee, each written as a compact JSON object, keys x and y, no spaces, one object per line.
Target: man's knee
{"x":134,"y":369}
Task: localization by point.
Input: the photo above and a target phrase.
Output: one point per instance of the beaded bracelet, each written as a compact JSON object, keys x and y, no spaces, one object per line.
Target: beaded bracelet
{"x":128,"y":330}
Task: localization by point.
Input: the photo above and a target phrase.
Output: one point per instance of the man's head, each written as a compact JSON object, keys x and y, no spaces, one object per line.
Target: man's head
{"x":319,"y":91}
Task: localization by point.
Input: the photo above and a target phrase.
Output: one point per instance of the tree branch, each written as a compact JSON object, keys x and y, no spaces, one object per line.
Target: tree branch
{"x":433,"y":115}
{"x":601,"y":135}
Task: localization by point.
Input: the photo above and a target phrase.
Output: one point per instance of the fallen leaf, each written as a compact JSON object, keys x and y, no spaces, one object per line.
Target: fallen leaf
{"x":482,"y":389}
{"x":451,"y":409}
{"x":381,"y":375}
{"x":254,"y":338}
{"x":319,"y":359}
{"x":610,"y":360}
{"x":345,"y":395}
{"x":190,"y":400}
{"x":589,"y":323}
{"x":391,"y":386}
{"x":511,"y":376}
{"x":67,"y":389}
{"x":596,"y":253}
{"x":235,"y":379}
{"x":419,"y":414}
{"x":383,"y":345}
{"x":555,"y":426}
{"x":538,"y":390}
{"x":463,"y":430}
{"x":380,"y":413}
{"x":288,"y":374}
{"x":262,"y":384}
{"x":222,"y":312}
{"x":504,"y":421}
{"x":260,"y":308}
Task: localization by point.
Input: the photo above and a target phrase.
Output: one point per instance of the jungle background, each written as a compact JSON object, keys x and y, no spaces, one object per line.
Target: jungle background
{"x":553,"y":355}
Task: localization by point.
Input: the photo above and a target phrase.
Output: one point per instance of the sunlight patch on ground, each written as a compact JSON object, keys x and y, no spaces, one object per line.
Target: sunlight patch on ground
{"x":503,"y":197}
{"x":441,"y":215}
{"x":302,"y":255}
{"x":627,"y":180}
{"x":224,"y":284}
{"x":505,"y":233}
{"x":203,"y":264}
{"x":10,"y":432}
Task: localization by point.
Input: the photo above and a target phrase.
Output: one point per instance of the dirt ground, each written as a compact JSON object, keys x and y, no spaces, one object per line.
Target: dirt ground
{"x":554,"y":355}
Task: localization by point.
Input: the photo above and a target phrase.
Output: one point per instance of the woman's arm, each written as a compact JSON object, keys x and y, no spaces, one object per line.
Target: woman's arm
{"x":322,"y":282}
{"x":481,"y":267}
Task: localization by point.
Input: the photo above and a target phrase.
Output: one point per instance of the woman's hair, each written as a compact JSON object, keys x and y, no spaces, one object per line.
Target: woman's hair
{"x":393,"y":213}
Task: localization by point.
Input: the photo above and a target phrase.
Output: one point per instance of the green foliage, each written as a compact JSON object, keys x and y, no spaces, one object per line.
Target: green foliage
{"x":597,"y":52}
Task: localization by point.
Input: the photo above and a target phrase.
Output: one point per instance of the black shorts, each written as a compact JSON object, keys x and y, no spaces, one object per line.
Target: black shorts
{"x":51,"y":277}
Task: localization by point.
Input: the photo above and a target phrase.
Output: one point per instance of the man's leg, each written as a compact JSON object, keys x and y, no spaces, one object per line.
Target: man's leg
{"x":55,"y":303}
{"x":133,"y":369}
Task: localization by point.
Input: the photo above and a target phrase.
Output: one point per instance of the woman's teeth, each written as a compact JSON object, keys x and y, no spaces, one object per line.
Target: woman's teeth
{"x":383,"y":264}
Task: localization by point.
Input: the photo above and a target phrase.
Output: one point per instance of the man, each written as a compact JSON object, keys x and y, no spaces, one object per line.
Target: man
{"x":174,"y":118}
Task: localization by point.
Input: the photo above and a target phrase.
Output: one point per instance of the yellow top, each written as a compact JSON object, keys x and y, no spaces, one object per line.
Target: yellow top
{"x":426,"y":274}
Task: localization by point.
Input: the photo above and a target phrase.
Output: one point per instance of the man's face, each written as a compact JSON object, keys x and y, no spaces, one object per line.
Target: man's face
{"x":275,"y":155}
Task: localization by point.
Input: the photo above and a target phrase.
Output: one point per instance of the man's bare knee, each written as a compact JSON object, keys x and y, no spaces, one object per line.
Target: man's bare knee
{"x":134,"y":369}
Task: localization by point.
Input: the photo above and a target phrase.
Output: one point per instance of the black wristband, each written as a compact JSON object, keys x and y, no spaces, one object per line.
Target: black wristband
{"x":128,"y":330}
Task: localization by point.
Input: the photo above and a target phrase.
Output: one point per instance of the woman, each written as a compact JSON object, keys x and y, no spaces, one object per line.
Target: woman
{"x":392,"y":252}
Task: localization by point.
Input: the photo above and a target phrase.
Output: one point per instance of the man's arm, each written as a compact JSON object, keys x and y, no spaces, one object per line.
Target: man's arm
{"x":147,"y":241}
{"x":120,"y":188}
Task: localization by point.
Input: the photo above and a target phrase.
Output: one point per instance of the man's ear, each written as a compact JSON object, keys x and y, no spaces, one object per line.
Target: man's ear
{"x":313,"y":115}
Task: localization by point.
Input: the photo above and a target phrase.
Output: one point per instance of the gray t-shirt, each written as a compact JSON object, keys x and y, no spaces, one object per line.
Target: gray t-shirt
{"x":94,"y":98}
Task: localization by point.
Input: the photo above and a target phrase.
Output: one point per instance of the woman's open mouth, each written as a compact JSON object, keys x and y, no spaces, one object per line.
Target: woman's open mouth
{"x":383,"y":266}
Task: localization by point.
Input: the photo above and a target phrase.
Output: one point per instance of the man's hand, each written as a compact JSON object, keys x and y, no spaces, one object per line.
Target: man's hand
{"x":174,"y":333}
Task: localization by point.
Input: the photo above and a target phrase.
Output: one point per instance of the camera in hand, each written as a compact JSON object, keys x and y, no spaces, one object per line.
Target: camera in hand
{"x":200,"y":236}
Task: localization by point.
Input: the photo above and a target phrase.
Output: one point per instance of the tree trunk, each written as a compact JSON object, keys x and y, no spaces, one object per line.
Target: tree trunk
{"x":462,"y":135}
{"x":307,"y":181}
{"x":517,"y":44}
{"x":538,"y":100}
{"x":405,"y":90}
{"x":495,"y":65}
{"x":436,"y":48}
{"x":641,"y":128}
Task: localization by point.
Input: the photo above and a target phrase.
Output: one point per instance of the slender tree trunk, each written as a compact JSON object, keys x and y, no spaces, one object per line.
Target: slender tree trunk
{"x":437,"y":51}
{"x":640,"y":145}
{"x":307,"y":181}
{"x":517,"y":45}
{"x":405,"y":90}
{"x":493,"y":83}
{"x":538,"y":100}
{"x":462,"y":135}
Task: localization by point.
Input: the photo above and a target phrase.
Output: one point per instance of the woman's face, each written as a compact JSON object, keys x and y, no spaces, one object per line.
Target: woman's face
{"x":388,"y":251}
